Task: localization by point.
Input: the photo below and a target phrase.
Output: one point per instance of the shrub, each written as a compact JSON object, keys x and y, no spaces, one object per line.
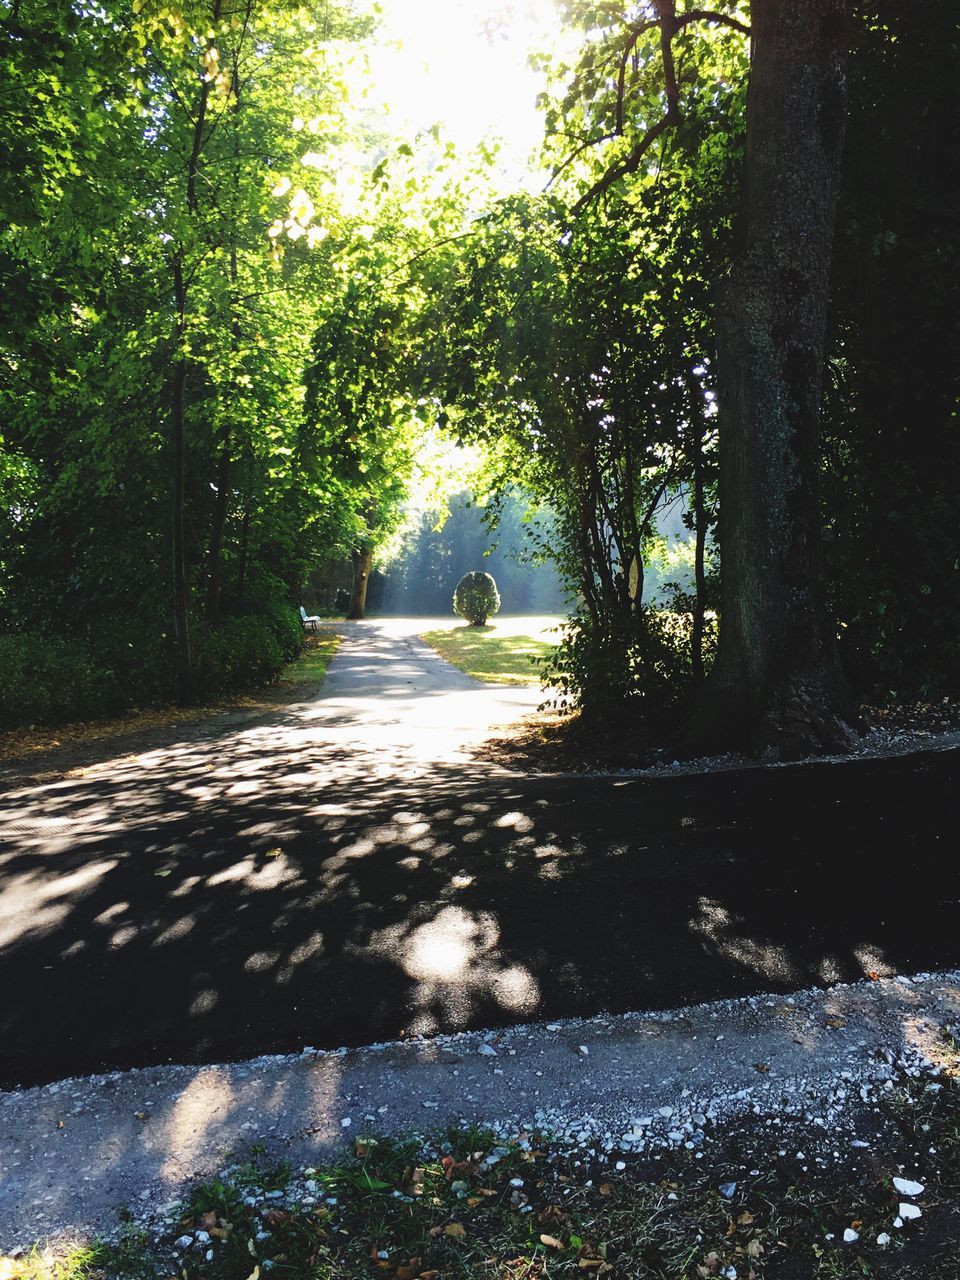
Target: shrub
{"x":46,"y":680}
{"x":241,"y":653}
{"x":476,"y":598}
{"x":631,"y":676}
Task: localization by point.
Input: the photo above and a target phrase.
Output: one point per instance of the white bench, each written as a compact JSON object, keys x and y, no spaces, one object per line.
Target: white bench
{"x":309,"y":620}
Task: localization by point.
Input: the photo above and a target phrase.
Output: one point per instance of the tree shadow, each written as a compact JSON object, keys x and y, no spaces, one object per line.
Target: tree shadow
{"x":253,"y":900}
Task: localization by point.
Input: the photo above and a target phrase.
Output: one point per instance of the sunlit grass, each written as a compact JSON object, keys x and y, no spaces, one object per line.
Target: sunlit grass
{"x":311,"y":666}
{"x":489,"y":654}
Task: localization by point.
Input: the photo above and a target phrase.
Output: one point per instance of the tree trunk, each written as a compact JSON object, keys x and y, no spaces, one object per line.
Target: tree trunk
{"x":186,"y":681}
{"x":186,"y":676}
{"x":699,"y":561}
{"x":215,"y":554}
{"x":362,"y":564}
{"x":776,"y":685}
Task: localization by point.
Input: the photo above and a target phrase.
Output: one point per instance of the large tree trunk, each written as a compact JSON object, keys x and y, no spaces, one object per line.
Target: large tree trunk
{"x":362,"y":564}
{"x":777,"y":685}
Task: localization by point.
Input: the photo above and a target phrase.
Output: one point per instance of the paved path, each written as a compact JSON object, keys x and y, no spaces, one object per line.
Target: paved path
{"x":74,"y":1154}
{"x":342,"y":872}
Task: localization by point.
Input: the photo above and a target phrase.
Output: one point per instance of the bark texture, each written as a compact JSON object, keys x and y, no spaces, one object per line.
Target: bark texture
{"x":777,"y":683}
{"x":362,"y":564}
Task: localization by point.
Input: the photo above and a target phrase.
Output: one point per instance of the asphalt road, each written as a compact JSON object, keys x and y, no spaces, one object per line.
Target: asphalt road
{"x":259,"y":893}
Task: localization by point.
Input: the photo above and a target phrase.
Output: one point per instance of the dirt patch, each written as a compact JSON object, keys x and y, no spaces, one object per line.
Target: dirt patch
{"x":550,"y":742}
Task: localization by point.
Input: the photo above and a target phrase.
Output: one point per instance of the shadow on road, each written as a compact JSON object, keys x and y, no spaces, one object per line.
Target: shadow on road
{"x":193,"y":919}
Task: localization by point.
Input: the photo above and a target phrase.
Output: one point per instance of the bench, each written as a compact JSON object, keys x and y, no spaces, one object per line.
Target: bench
{"x":309,"y":620}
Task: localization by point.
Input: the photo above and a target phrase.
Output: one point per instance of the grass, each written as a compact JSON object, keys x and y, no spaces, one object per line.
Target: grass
{"x":491,"y":654}
{"x":297,"y":679}
{"x":468,"y":1205}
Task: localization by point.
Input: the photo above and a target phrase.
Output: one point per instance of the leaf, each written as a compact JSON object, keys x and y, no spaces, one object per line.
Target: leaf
{"x":836,"y":1023}
{"x":552,"y":1241}
{"x":255,"y":1273}
{"x":456,"y":1230}
{"x":274,"y":853}
{"x":164,"y":871}
{"x":762,"y":1067}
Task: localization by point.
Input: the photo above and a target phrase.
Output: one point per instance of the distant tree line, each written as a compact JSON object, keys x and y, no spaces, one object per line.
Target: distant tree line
{"x":434,"y":556}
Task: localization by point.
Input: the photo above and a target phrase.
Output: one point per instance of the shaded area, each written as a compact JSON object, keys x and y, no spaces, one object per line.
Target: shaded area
{"x":275,"y":916}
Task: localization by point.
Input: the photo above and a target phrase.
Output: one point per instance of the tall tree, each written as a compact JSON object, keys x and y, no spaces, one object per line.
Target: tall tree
{"x":777,"y":680}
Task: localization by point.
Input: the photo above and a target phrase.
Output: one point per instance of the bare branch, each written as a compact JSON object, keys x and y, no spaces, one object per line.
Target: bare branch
{"x":629,"y":164}
{"x":707,"y":15}
{"x":622,"y":77}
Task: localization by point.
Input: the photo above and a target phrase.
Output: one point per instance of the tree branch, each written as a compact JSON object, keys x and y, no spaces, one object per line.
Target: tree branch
{"x":707,"y":15}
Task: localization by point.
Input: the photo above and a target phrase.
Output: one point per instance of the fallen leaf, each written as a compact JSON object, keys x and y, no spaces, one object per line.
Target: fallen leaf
{"x":207,"y":1221}
{"x":254,"y":1274}
{"x":473,"y":1201}
{"x":455,"y":1229}
{"x":745,"y":1219}
{"x":873,"y":975}
{"x":276,"y":1217}
{"x":590,"y":1264}
{"x":552,"y":1241}
{"x":754,"y":1249}
{"x":274,"y":853}
{"x":140,"y":1115}
{"x":164,"y":871}
{"x":836,"y":1023}
{"x":762,"y":1067}
{"x":605,"y":1188}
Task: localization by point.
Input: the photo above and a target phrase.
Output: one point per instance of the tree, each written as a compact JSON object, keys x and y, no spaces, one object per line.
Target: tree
{"x":891,"y":464}
{"x":777,"y":680}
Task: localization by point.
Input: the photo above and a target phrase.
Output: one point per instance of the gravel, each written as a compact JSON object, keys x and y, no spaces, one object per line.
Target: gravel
{"x":653,"y":1082}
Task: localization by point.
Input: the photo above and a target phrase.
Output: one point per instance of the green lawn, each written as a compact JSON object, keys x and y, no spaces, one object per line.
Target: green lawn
{"x":487,"y":653}
{"x":312,"y":664}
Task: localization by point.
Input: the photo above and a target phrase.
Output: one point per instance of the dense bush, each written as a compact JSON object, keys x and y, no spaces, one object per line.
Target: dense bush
{"x":128,"y":662}
{"x":239,"y":654}
{"x":636,"y":680}
{"x":46,"y":680}
{"x":476,"y":598}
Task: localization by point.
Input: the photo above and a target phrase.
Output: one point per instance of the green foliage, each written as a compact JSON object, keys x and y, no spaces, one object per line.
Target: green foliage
{"x":476,"y":598}
{"x":632,"y":681}
{"x":891,"y":462}
{"x":48,"y":680}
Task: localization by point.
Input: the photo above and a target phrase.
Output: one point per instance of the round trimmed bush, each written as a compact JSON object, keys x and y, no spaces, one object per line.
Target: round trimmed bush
{"x":476,"y":598}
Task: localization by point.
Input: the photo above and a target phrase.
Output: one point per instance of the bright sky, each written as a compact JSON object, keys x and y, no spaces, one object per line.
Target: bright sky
{"x":463,"y":64}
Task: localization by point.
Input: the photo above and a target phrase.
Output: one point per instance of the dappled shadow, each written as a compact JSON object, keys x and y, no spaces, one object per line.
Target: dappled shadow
{"x":254,"y":902}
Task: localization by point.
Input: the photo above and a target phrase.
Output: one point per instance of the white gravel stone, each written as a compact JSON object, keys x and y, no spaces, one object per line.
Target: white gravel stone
{"x":908,"y":1188}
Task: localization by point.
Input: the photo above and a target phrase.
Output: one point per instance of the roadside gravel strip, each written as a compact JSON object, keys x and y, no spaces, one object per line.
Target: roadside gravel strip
{"x":73,"y":1154}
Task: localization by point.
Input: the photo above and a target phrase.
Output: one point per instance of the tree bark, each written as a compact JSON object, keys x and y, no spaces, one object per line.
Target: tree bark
{"x":776,"y":685}
{"x":186,"y":689}
{"x":185,"y":674}
{"x":362,"y":564}
{"x":699,"y":561}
